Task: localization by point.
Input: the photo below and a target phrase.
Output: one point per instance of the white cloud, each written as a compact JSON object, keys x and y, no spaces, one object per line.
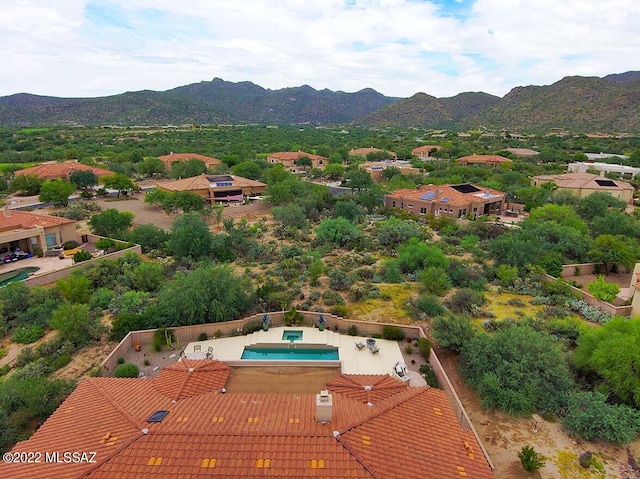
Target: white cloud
{"x":398,"y":47}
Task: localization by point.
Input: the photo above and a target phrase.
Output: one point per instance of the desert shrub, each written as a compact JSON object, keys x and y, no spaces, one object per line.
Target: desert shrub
{"x":61,"y":361}
{"x":121,"y":360}
{"x":424,"y":346}
{"x":602,"y":290}
{"x":101,"y":298}
{"x":291,"y":317}
{"x":567,"y":330}
{"x":127,"y":370}
{"x":435,"y":280}
{"x":202,"y":337}
{"x":81,"y":256}
{"x":67,"y":245}
{"x":531,"y":461}
{"x":516,"y":302}
{"x":27,"y":334}
{"x":252,"y":327}
{"x":39,"y":368}
{"x":360,"y":292}
{"x":517,"y":370}
{"x":391,"y":272}
{"x":340,"y":310}
{"x":429,"y":375}
{"x":331,"y":298}
{"x":589,"y":313}
{"x":162,"y":337}
{"x":590,"y":416}
{"x":339,"y":280}
{"x":393,"y":333}
{"x":429,"y":305}
{"x":464,"y":300}
{"x":352,"y":330}
{"x":25,"y":356}
{"x":452,"y":332}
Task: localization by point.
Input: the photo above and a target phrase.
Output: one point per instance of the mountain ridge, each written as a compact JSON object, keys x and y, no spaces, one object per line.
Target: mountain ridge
{"x":574,"y":102}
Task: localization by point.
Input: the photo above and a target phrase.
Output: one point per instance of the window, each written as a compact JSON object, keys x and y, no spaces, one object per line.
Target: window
{"x":393,"y":204}
{"x":50,"y":238}
{"x":409,"y":205}
{"x":423,"y":210}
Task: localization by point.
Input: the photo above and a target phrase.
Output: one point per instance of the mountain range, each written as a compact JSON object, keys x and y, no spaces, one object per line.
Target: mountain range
{"x":611,"y":103}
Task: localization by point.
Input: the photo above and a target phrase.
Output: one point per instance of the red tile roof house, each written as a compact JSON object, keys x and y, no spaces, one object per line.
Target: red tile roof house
{"x":365,"y":151}
{"x":217,"y":187}
{"x":493,"y":161}
{"x":28,"y":231}
{"x":53,"y":171}
{"x":172,"y":158}
{"x":454,"y":201}
{"x":288,"y":159}
{"x":425,"y":152}
{"x":183,"y":424}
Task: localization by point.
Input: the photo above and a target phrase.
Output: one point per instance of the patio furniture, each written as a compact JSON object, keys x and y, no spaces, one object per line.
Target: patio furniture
{"x":375,"y":349}
{"x":360,"y":345}
{"x":209,"y":352}
{"x":400,"y":370}
{"x":197,"y":347}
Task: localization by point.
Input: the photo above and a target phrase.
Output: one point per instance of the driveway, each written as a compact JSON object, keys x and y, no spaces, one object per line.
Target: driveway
{"x":144,"y":213}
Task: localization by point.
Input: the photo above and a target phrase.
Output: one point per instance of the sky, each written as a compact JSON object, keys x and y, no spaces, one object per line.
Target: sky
{"x":90,"y":48}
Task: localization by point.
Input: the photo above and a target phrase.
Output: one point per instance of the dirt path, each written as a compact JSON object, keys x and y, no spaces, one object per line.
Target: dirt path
{"x":504,"y":436}
{"x":13,"y":349}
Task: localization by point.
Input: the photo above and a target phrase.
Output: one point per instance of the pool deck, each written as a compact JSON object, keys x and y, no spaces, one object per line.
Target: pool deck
{"x":352,"y":360}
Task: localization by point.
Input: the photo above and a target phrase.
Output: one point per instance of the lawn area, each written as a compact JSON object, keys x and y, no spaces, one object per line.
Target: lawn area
{"x":390,"y":308}
{"x":505,"y":305}
{"x":15,"y":166}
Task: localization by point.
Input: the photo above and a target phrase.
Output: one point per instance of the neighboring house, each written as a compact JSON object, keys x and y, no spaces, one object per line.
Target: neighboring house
{"x":289,"y":159}
{"x":172,"y":158}
{"x":185,"y":424}
{"x":602,"y":156}
{"x":31,"y":231}
{"x":54,"y":171}
{"x":425,"y":152}
{"x":583,"y":184}
{"x":365,"y":151}
{"x":376,"y":168}
{"x":217,"y":187}
{"x":523,"y":152}
{"x":454,"y":201}
{"x":492,"y":161}
{"x":624,"y":171}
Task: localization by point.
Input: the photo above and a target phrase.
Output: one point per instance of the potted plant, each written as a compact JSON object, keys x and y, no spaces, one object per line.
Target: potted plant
{"x":266,"y":321}
{"x":321,"y":323}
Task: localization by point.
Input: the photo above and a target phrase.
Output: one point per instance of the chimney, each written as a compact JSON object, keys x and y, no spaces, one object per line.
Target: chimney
{"x":324,"y":406}
{"x":7,"y":212}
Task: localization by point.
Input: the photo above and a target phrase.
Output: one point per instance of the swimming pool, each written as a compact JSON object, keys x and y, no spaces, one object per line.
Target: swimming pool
{"x":293,"y":354}
{"x":16,"y":275}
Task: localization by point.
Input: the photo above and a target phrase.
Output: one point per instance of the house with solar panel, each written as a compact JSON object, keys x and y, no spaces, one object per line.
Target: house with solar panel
{"x":584,"y":184}
{"x":455,"y":201}
{"x":217,"y":188}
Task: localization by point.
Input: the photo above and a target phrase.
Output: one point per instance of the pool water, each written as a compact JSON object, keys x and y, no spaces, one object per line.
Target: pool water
{"x":16,"y":275}
{"x":293,"y":354}
{"x":292,"y":335}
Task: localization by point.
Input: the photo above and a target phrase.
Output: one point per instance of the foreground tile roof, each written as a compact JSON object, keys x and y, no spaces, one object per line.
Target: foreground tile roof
{"x":400,"y":432}
{"x":173,"y":157}
{"x":204,"y":182}
{"x":15,"y":219}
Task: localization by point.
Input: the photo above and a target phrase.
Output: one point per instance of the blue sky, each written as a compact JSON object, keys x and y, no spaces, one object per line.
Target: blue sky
{"x":76,"y":48}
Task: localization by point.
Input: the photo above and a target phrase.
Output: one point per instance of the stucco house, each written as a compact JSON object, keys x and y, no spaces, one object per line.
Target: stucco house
{"x":584,"y":184}
{"x":455,"y":201}
{"x":172,"y":158}
{"x":376,"y":168}
{"x":223,"y":188}
{"x":54,"y":171}
{"x":425,"y":152}
{"x":32,"y":231}
{"x":289,"y":159}
{"x":492,"y":161}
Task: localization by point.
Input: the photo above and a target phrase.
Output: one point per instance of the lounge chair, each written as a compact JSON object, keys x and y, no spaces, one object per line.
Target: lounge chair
{"x":210,"y":352}
{"x":374,"y":349}
{"x":400,"y":369}
{"x":360,"y":345}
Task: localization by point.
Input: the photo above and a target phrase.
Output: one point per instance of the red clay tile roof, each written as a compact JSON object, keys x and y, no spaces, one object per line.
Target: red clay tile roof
{"x":14,"y":219}
{"x":410,"y":434}
{"x":366,"y":151}
{"x":203,"y":182}
{"x":294,"y":155}
{"x":189,"y":378}
{"x":425,"y":149}
{"x":49,"y":171}
{"x":173,"y":157}
{"x":441,"y":192}
{"x":367,"y":388}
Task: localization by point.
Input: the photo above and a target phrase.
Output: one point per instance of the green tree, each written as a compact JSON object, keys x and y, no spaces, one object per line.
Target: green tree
{"x":190,"y":237}
{"x":291,"y":217}
{"x":617,"y":224}
{"x":561,"y":214}
{"x":334,"y":171}
{"x":74,"y":323}
{"x":517,"y":370}
{"x":248,"y":169}
{"x":358,"y":179}
{"x":589,"y":416}
{"x":452,"y":332}
{"x":187,"y":169}
{"x":612,"y":352}
{"x":395,"y":231}
{"x":613,"y":250}
{"x":597,"y":204}
{"x":603,"y":290}
{"x":147,"y":276}
{"x":149,"y":237}
{"x":28,"y":184}
{"x":338,"y":232}
{"x":207,"y":294}
{"x":83,"y":179}
{"x":75,"y":288}
{"x":316,"y":268}
{"x":111,"y":223}
{"x":151,"y":167}
{"x":417,"y":255}
{"x":435,"y":280}
{"x":57,"y":192}
{"x":119,"y":182}
{"x":531,"y":461}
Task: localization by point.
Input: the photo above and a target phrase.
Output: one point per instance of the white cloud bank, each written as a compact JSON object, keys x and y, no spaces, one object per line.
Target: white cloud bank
{"x":399,"y":47}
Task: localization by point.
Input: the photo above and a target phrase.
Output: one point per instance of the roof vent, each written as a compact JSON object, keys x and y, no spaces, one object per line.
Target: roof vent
{"x":145,"y":431}
{"x":324,"y":406}
{"x":368,"y":388}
